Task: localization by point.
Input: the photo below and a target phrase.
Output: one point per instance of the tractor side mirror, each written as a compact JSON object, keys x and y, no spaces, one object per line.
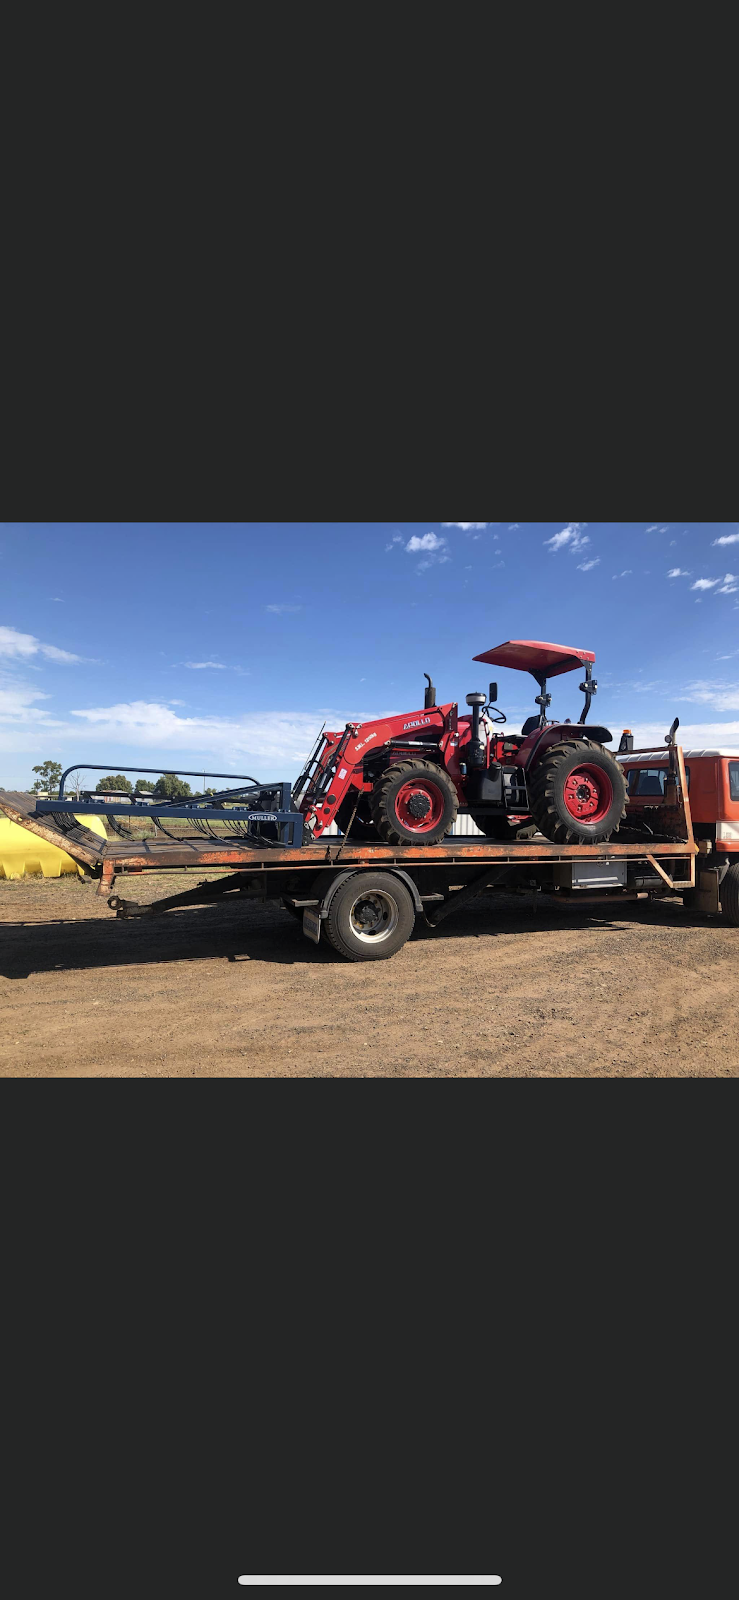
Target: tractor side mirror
{"x":493,"y":694}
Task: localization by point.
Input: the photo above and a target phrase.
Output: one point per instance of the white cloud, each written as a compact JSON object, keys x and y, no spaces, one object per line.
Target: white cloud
{"x":655,"y":528}
{"x":465,"y":525}
{"x":727,"y":538}
{"x":722,"y":696}
{"x":269,"y":736}
{"x":272,"y":739}
{"x":197,"y":666}
{"x":278,"y":610}
{"x":678,"y":572}
{"x":20,"y":646}
{"x":512,"y":526}
{"x":398,"y":539}
{"x":728,"y":584}
{"x":17,"y":707}
{"x":427,"y":541}
{"x":571,"y":538}
{"x":586,"y":566}
{"x":434,"y":550}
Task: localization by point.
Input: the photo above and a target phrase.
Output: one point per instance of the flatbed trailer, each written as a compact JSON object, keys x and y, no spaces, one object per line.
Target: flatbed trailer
{"x":365,"y":897}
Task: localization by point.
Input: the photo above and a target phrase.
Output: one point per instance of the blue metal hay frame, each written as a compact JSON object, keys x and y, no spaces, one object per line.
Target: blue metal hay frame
{"x":206,"y":809}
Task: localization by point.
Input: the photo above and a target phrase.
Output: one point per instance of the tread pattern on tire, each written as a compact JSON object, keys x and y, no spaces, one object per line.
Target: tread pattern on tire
{"x":363,"y":952}
{"x":404,"y":770}
{"x":729,"y":895}
{"x":543,"y":804}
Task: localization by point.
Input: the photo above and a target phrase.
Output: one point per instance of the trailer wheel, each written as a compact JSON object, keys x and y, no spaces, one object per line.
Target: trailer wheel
{"x":370,"y":917}
{"x":414,"y":802}
{"x":729,"y":895}
{"x":577,"y":793}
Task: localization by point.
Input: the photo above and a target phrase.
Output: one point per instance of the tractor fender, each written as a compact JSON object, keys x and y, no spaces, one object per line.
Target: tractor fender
{"x":537,"y":742}
{"x":327,"y":891}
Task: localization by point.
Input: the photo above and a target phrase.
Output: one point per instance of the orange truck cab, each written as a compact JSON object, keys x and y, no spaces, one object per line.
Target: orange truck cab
{"x":713,"y":791}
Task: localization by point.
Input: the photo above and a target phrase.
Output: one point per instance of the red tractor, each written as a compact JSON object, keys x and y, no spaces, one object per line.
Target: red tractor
{"x":401,"y":779}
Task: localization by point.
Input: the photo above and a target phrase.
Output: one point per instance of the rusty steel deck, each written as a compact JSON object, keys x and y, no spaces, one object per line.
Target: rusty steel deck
{"x":106,"y":859}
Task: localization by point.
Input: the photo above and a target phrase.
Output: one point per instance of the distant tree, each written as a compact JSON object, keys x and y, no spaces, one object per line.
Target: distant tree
{"x":144,"y":786}
{"x":114,"y":782}
{"x":74,"y":784}
{"x":47,"y":782}
{"x":169,"y":787}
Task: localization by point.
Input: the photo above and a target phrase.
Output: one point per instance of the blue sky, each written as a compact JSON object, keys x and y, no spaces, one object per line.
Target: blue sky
{"x":226,"y":645}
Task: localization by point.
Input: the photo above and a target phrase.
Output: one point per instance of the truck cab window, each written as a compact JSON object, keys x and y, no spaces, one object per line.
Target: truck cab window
{"x":734,"y":780}
{"x":647,"y":781}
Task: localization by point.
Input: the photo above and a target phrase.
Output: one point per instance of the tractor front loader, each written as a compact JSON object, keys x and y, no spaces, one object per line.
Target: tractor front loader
{"x":401,"y":779}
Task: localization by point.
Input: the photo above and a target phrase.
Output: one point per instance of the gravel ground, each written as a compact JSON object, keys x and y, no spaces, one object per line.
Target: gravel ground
{"x":237,"y":991}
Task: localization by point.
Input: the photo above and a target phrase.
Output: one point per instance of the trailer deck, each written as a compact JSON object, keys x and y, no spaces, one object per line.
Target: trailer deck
{"x":106,"y":859}
{"x":391,"y":884}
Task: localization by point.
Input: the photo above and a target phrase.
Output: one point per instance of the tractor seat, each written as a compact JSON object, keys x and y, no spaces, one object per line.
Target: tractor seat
{"x":530,"y":726}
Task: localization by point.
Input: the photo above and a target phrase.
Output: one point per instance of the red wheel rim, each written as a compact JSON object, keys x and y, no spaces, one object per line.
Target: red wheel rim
{"x":419,"y":805}
{"x":588,"y":794}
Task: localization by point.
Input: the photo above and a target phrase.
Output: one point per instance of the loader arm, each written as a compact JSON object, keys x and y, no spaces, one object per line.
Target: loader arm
{"x":341,"y":763}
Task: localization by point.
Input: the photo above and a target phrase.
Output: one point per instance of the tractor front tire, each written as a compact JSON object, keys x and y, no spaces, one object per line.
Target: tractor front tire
{"x":577,"y":793}
{"x":414,"y":802}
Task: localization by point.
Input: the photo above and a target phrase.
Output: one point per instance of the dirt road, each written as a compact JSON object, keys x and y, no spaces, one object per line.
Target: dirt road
{"x":237,"y":991}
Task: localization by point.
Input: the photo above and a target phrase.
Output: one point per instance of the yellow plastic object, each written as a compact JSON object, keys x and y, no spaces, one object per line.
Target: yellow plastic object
{"x":23,"y":853}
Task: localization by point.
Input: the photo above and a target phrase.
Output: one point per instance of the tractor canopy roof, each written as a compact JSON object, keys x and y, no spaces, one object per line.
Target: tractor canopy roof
{"x":533,"y":655}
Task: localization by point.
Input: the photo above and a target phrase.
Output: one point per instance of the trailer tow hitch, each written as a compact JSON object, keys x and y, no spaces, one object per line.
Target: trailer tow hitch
{"x":129,"y":908}
{"x":232,"y":886}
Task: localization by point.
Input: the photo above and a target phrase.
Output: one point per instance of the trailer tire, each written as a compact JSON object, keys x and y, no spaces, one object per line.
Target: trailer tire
{"x":370,"y":917}
{"x":729,"y":895}
{"x":572,"y":775}
{"x":414,"y":802}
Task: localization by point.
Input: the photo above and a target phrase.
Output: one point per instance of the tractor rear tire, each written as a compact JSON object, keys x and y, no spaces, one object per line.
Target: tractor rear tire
{"x":370,"y":916}
{"x":414,"y":802}
{"x":577,"y":793}
{"x":729,"y":895}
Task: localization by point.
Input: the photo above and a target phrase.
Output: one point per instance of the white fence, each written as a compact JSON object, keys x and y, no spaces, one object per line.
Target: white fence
{"x":464,"y":826}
